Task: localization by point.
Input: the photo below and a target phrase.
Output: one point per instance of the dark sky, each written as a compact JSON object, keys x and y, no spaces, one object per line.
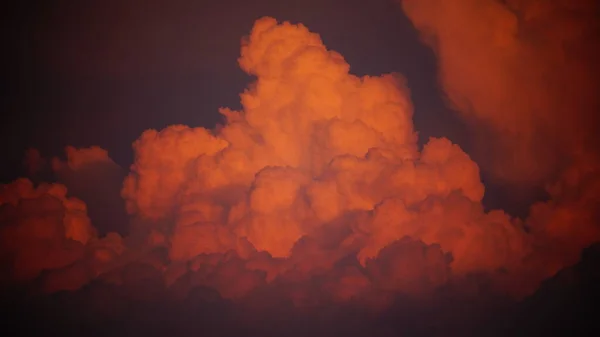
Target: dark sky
{"x":88,"y":73}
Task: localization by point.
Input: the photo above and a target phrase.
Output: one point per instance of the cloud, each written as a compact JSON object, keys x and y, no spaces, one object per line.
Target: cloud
{"x":42,"y":229}
{"x":311,"y":143}
{"x":521,"y":73}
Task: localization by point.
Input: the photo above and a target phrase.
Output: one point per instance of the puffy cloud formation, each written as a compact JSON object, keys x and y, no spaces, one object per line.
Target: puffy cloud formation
{"x":314,"y":194}
{"x":410,"y":267}
{"x":78,"y":159}
{"x":314,"y":144}
{"x":41,"y":229}
{"x":522,"y":72}
{"x":568,"y":222}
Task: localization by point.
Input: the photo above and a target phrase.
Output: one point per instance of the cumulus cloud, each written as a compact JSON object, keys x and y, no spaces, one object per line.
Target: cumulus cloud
{"x":42,"y":229}
{"x":521,"y":73}
{"x":312,"y":143}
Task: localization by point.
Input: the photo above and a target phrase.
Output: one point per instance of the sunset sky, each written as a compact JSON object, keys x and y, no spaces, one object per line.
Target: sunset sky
{"x":369,"y":168}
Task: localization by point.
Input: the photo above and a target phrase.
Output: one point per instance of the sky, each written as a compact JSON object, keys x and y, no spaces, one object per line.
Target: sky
{"x":302,"y":167}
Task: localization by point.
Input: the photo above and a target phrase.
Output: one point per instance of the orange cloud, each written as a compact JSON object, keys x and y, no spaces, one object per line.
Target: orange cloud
{"x":521,"y":73}
{"x":42,"y":228}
